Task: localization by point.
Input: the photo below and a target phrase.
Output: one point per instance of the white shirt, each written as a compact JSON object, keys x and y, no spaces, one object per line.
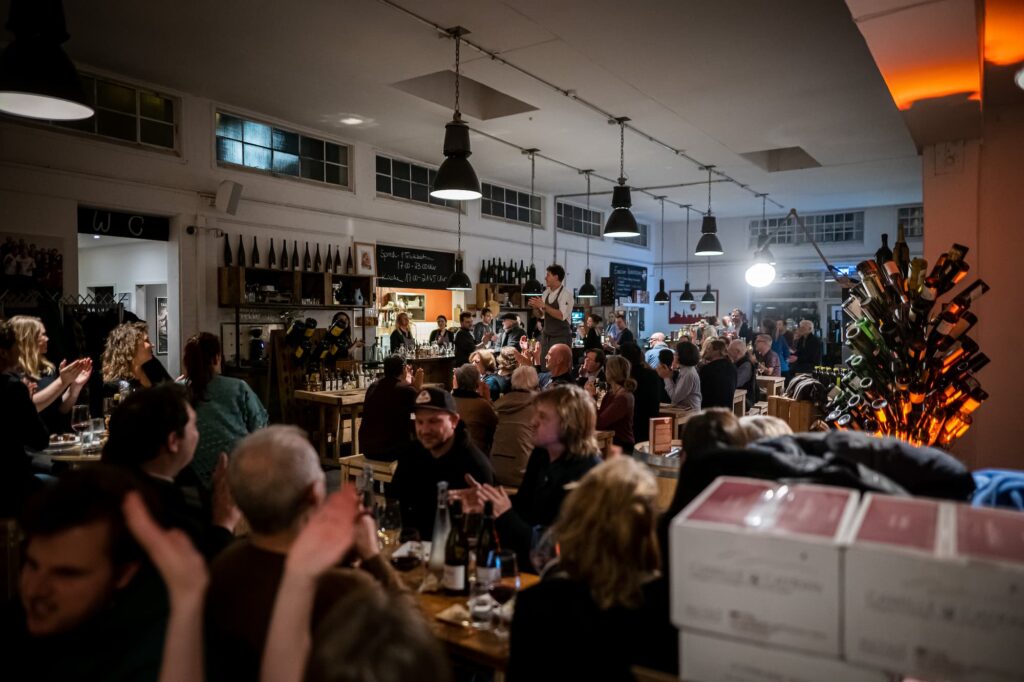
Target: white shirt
{"x":563,"y":302}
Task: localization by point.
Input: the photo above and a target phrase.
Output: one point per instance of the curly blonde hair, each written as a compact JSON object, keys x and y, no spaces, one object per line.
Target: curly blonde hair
{"x":28,"y":329}
{"x":607,"y":535}
{"x":119,"y":352}
{"x":507,"y":362}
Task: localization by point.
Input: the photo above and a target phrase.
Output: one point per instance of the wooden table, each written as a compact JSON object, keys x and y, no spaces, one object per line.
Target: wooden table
{"x":332,"y":404}
{"x":74,"y":458}
{"x":680,"y":414}
{"x":771,"y":385}
{"x":739,"y":402}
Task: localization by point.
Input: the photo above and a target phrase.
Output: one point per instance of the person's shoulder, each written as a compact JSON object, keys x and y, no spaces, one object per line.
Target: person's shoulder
{"x":242,"y":559}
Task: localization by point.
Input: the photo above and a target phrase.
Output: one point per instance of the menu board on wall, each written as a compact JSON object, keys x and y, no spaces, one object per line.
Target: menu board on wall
{"x":402,"y":266}
{"x":628,"y":278}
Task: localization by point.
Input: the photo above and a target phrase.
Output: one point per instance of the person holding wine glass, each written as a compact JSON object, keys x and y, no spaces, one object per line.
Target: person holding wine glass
{"x":601,"y":607}
{"x":616,"y":405}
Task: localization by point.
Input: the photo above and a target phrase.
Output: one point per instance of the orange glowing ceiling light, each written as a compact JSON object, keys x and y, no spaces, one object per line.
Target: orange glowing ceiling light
{"x":1004,"y":32}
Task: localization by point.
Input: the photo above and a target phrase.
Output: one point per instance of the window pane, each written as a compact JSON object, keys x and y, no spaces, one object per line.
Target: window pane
{"x":116,"y":97}
{"x":497,"y":193}
{"x":256,"y":133}
{"x":401,"y":170}
{"x":524,"y":215}
{"x":401,"y":189}
{"x":152,"y":105}
{"x":343,"y":176}
{"x":229,"y":126}
{"x":89,"y":87}
{"x":384,"y":183}
{"x":159,"y":134}
{"x":419,"y":174}
{"x":229,"y":151}
{"x":312,"y":169}
{"x":121,"y":126}
{"x":384,"y":165}
{"x":419,"y":192}
{"x":256,"y":157}
{"x":536,"y":218}
{"x":334,"y":174}
{"x":288,"y":164}
{"x":511,"y":212}
{"x":285,"y":141}
{"x":312,"y":148}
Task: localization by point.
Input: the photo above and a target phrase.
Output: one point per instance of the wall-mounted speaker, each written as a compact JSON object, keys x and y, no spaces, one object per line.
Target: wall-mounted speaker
{"x":228,"y":194}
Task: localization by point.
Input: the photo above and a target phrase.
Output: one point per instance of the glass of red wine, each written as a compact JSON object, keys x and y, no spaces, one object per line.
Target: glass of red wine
{"x":410,"y":554}
{"x":504,"y":590}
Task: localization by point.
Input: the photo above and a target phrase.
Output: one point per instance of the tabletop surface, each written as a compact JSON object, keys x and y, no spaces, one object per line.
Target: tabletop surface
{"x":350,"y":396}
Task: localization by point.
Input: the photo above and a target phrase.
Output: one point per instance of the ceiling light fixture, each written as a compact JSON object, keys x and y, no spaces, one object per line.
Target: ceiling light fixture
{"x":456,"y":180}
{"x":709,"y":244}
{"x":351,"y":120}
{"x":621,"y":222}
{"x":761,"y":272}
{"x":532,"y":286}
{"x":687,"y":295}
{"x":37,"y":79}
{"x":1019,"y":78}
{"x":707,"y":301}
{"x":588,"y":291}
{"x":459,"y":280}
{"x":662,"y":296}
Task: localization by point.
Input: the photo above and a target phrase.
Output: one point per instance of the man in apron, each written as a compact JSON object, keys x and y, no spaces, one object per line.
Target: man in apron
{"x":556,"y":304}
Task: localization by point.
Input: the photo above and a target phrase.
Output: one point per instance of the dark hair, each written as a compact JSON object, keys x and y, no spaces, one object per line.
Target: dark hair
{"x":598,"y":355}
{"x":394,"y":366}
{"x":688,"y":353}
{"x":632,"y":352}
{"x":81,"y":497}
{"x":665,"y":357}
{"x":140,"y":426}
{"x":712,"y":320}
{"x":464,"y":315}
{"x":8,"y":337}
{"x":596,"y":318}
{"x":485,"y":311}
{"x":714,"y":428}
{"x":620,"y":316}
{"x":558,"y":271}
{"x":442,"y":317}
{"x":200,"y":353}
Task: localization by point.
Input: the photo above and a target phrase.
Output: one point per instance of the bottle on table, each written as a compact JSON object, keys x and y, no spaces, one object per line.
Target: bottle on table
{"x":456,"y":554}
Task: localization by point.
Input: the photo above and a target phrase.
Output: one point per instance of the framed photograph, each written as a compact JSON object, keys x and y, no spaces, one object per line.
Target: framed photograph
{"x":34,"y":258}
{"x":366,"y":259}
{"x":161,"y":325}
{"x":689,"y":312}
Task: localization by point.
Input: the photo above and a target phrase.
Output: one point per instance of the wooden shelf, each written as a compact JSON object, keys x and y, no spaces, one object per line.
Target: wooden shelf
{"x":233,"y":282}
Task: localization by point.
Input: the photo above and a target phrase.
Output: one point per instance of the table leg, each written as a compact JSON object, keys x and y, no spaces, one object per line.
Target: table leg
{"x":323,"y":431}
{"x":355,"y":430}
{"x":335,"y":452}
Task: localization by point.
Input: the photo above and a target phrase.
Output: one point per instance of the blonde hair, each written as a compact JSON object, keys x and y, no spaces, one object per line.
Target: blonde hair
{"x":714,"y":346}
{"x":757,"y":426}
{"x":398,"y":318}
{"x":525,"y":379}
{"x":28,"y":329}
{"x":577,"y":417}
{"x":486,"y":359}
{"x":119,"y":352}
{"x":607,"y":534}
{"x":616,"y":370}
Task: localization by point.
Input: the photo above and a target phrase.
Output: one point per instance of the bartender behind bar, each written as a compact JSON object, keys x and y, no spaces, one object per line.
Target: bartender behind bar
{"x":556,"y":304}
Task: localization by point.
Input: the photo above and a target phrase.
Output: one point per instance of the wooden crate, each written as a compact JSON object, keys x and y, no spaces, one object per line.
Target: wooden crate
{"x":799,"y":414}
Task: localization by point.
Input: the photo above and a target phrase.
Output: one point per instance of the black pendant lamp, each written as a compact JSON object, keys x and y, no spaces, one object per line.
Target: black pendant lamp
{"x":37,"y":79}
{"x":456,"y":180}
{"x":459,"y":280}
{"x":709,"y":244}
{"x":588,"y":291}
{"x":621,"y":222}
{"x":662,"y":296}
{"x":532,"y":286}
{"x":707,"y":301}
{"x":687,"y":295}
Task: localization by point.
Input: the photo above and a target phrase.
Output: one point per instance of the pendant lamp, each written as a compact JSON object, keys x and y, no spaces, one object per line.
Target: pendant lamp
{"x":532,"y":287}
{"x":709,"y":244}
{"x":37,"y":79}
{"x":588,"y":291}
{"x":459,"y":280}
{"x":456,"y":180}
{"x":707,"y":301}
{"x":687,"y":295}
{"x":621,"y":222}
{"x":662,"y":296}
{"x":761,"y":272}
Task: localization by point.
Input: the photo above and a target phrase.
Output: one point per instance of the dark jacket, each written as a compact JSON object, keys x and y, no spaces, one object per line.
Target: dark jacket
{"x":745,"y":369}
{"x":464,"y":347}
{"x":444,"y":335}
{"x":22,"y":429}
{"x":646,"y":401}
{"x":559,"y":633}
{"x":398,"y":339}
{"x":185,"y":506}
{"x":386,"y":430}
{"x":546,"y":380}
{"x":538,"y":500}
{"x":592,"y":341}
{"x":717,"y":383}
{"x":511,"y":337}
{"x":418,"y":473}
{"x":808,"y":354}
{"x":626,"y":337}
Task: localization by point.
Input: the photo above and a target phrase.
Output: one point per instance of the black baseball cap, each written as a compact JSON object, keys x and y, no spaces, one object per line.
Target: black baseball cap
{"x":510,"y":316}
{"x":432,"y":398}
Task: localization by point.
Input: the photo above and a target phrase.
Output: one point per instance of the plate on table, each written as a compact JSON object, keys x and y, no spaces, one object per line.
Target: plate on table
{"x":64,"y":441}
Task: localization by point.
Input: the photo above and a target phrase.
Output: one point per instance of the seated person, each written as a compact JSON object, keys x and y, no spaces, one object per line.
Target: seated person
{"x":768,"y":362}
{"x":128,"y":360}
{"x":717,"y":376}
{"x":592,"y":367}
{"x":559,"y":363}
{"x":487,"y":365}
{"x":616,"y":410}
{"x":383,"y":433}
{"x":473,"y":400}
{"x":22,"y":429}
{"x":513,"y":439}
{"x":443,"y":452}
{"x":684,"y":387}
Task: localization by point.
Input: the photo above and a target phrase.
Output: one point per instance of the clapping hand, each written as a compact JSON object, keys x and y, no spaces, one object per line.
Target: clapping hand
{"x":180,"y":565}
{"x":69,"y":371}
{"x":85,"y":371}
{"x":476,"y":494}
{"x":225,"y":512}
{"x":328,"y":535}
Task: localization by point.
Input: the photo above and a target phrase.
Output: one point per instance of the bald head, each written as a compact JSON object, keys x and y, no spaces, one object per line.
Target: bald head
{"x":559,"y":359}
{"x":275,"y":478}
{"x":656,"y":338}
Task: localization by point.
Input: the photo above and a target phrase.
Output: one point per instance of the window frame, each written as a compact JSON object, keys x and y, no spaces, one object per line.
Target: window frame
{"x":539,"y":225}
{"x":598,"y":225}
{"x":912,"y":217}
{"x":645,"y":232}
{"x":431,"y":202}
{"x":818,"y":224}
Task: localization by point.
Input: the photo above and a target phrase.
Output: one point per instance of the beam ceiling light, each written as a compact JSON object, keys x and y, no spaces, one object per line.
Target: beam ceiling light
{"x":37,"y":79}
{"x":761,"y":272}
{"x":662,"y":297}
{"x":621,"y":222}
{"x":709,"y":244}
{"x":459,"y":280}
{"x":456,"y":180}
{"x":587,"y":292}
{"x":532,"y":287}
{"x":687,"y":296}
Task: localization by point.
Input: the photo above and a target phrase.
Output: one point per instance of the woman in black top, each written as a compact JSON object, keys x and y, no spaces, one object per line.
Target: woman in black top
{"x":128,"y":359}
{"x":402,"y":336}
{"x":647,"y":396}
{"x":441,"y":336}
{"x":717,"y":376}
{"x":592,"y":340}
{"x":21,"y":427}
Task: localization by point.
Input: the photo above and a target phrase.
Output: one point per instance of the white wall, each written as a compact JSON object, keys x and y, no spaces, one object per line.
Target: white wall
{"x":123,"y":266}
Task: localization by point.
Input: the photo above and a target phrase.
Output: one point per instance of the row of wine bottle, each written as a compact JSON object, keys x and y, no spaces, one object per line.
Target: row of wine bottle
{"x":450,"y":546}
{"x":912,"y":372}
{"x":281,"y":261}
{"x":500,"y":272}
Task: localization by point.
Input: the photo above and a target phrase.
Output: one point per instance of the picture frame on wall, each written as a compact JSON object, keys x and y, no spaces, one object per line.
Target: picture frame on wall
{"x":365,"y":259}
{"x":688,"y":312}
{"x":161,"y":325}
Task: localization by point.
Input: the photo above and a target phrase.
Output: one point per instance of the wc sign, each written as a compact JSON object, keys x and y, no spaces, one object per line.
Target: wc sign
{"x":103,"y":222}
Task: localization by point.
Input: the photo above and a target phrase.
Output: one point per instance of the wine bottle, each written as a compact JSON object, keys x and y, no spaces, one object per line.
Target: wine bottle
{"x":317,"y":263}
{"x":884,"y":253}
{"x":483,"y":272}
{"x":456,"y":554}
{"x":901,"y":252}
{"x":255,"y":252}
{"x":337,"y":259}
{"x":307,"y":262}
{"x":442,"y":526}
{"x":227,"y":250}
{"x":965,"y":298}
{"x":350,"y":266}
{"x":522,"y":272}
{"x":272,"y":258}
{"x":284,"y":254}
{"x":295,"y":254}
{"x":488,"y":570}
{"x":240,"y":252}
{"x":328,"y":264}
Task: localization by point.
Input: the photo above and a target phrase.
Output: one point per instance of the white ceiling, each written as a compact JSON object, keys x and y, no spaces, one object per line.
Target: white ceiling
{"x":717,"y":79}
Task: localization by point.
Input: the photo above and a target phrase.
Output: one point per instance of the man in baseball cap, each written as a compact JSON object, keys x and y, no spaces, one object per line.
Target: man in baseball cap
{"x":511,"y":331}
{"x":443,"y":452}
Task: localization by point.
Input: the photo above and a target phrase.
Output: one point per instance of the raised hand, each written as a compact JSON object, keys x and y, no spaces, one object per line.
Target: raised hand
{"x":69,"y":371}
{"x":328,"y":535}
{"x":84,"y":373}
{"x":225,"y":512}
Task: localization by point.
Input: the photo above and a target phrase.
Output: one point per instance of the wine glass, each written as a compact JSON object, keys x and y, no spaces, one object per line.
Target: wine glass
{"x":543,"y":548}
{"x":80,"y":420}
{"x":389,"y":525}
{"x":504,"y":590}
{"x":413,"y":555}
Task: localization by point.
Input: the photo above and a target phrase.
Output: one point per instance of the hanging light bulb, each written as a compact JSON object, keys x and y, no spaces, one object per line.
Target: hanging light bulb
{"x":588,"y":291}
{"x":621,"y":222}
{"x":687,"y":295}
{"x":459,"y":280}
{"x":709,"y":244}
{"x":761,"y":272}
{"x":532,"y":287}
{"x":456,"y":180}
{"x":662,"y":296}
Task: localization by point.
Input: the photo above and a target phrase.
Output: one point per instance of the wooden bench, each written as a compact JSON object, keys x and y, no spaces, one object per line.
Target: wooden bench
{"x":352,"y":467}
{"x":772,"y":385}
{"x":739,"y":402}
{"x":759,"y":408}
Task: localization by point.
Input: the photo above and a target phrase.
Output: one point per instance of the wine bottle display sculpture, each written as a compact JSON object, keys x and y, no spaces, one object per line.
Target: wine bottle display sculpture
{"x":912,"y":372}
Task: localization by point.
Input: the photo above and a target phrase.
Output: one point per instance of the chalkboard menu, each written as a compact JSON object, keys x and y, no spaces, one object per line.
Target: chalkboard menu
{"x":116,"y":224}
{"x":401,"y":266}
{"x":627,"y":278}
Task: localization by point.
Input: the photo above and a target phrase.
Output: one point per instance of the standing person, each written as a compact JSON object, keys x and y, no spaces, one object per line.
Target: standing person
{"x":624,"y":335}
{"x":227,"y":410}
{"x":344,"y":341}
{"x":717,"y":376}
{"x":657,"y":343}
{"x":746,"y":373}
{"x":768,"y":362}
{"x":464,"y":344}
{"x":441,"y":336}
{"x":21,"y":426}
{"x":649,"y":389}
{"x":592,"y":337}
{"x":128,"y":358}
{"x":483,"y":331}
{"x":511,"y":331}
{"x":739,"y":322}
{"x":401,"y":335}
{"x":556,"y":305}
{"x":513,"y":439}
{"x":683,"y":388}
{"x":384,"y":433}
{"x":616,"y":411}
{"x":781,"y":342}
{"x":806,"y":349}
